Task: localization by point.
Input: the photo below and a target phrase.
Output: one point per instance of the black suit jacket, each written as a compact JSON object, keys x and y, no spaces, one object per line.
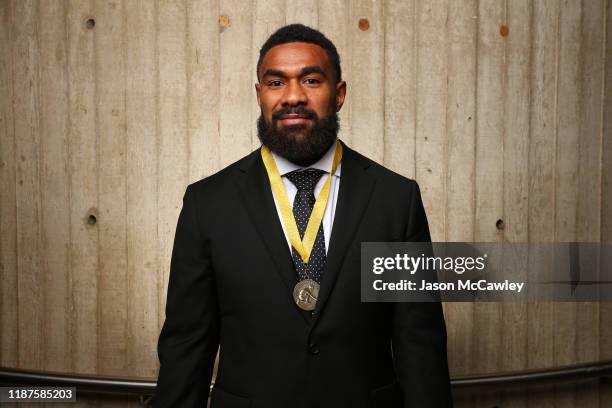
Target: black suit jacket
{"x":231,"y":282}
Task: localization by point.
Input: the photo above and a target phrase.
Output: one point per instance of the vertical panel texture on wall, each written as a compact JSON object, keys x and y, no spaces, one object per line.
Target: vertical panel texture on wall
{"x":110,"y":60}
{"x":203,"y":87}
{"x":431,"y":104}
{"x":84,"y":201}
{"x":9,"y":339}
{"x":54,"y":185}
{"x":172,"y":149}
{"x":565,"y":198}
{"x":236,"y":87}
{"x":26,"y":110}
{"x":460,"y":166}
{"x":367,"y":69}
{"x":516,"y":32}
{"x":605,"y":308}
{"x":335,"y":22}
{"x":490,"y":77}
{"x":542,"y":170}
{"x":501,"y":110}
{"x":400,"y":86}
{"x":141,"y":106}
{"x":590,"y":177}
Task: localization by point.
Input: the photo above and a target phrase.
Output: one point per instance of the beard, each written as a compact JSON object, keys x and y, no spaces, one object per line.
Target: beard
{"x":298,"y":143}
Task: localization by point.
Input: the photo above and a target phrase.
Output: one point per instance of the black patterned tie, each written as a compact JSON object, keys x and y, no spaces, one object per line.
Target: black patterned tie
{"x":305,"y":181}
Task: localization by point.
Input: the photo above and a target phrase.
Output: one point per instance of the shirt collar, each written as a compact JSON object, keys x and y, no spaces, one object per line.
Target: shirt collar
{"x":324,"y":163}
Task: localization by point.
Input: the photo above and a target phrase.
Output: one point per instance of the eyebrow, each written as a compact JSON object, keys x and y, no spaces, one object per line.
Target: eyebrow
{"x":311,"y":69}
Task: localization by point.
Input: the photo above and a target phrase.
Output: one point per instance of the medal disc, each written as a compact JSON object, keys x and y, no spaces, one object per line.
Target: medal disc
{"x":306,"y":293}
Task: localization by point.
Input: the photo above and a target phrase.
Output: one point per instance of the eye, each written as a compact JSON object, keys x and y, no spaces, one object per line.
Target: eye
{"x":312,"y":81}
{"x":275,"y":83}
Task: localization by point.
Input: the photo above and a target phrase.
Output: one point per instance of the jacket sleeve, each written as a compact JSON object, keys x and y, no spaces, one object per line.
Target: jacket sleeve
{"x":189,"y":339}
{"x":419,"y":334}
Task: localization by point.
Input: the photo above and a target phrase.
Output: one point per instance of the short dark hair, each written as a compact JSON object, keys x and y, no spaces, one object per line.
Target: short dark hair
{"x":301,"y":33}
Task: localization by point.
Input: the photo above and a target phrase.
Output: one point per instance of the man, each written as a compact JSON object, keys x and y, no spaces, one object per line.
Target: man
{"x":258,"y":270}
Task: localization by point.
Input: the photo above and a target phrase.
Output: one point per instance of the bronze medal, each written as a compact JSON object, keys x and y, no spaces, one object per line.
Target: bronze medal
{"x":306,"y":293}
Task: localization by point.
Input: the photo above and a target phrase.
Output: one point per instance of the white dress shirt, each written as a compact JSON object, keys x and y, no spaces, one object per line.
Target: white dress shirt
{"x":325,"y":164}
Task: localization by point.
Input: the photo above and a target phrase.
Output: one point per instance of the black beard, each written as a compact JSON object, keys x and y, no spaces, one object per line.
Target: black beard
{"x":310,"y":147}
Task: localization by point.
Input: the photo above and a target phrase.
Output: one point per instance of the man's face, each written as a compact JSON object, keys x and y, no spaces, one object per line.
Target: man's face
{"x":299,"y":100}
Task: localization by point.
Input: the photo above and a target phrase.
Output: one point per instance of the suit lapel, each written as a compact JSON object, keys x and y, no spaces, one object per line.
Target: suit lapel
{"x":353,"y":197}
{"x":257,"y":197}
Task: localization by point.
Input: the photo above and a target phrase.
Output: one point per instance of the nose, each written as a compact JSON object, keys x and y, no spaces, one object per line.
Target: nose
{"x":294,"y":94}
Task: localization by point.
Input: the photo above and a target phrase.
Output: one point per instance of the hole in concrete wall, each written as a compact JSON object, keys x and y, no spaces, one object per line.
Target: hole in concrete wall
{"x":500,"y":224}
{"x":224,"y":21}
{"x":364,"y":24}
{"x":91,"y":23}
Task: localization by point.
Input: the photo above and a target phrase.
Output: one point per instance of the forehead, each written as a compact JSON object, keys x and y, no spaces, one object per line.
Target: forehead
{"x":294,"y":56}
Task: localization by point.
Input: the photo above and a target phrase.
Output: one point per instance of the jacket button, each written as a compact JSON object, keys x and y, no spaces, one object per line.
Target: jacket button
{"x":313,"y":348}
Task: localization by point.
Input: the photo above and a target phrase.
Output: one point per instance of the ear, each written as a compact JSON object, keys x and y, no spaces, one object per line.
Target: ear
{"x":340,"y":95}
{"x":257,"y":91}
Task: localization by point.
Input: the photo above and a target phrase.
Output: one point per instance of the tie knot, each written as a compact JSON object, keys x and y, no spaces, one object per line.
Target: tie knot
{"x":305,"y":179}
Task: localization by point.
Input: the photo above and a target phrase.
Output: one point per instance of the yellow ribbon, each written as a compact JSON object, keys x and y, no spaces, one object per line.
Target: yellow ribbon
{"x":303,"y":247}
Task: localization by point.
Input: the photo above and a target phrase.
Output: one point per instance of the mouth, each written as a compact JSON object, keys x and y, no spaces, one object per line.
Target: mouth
{"x":293,"y":119}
